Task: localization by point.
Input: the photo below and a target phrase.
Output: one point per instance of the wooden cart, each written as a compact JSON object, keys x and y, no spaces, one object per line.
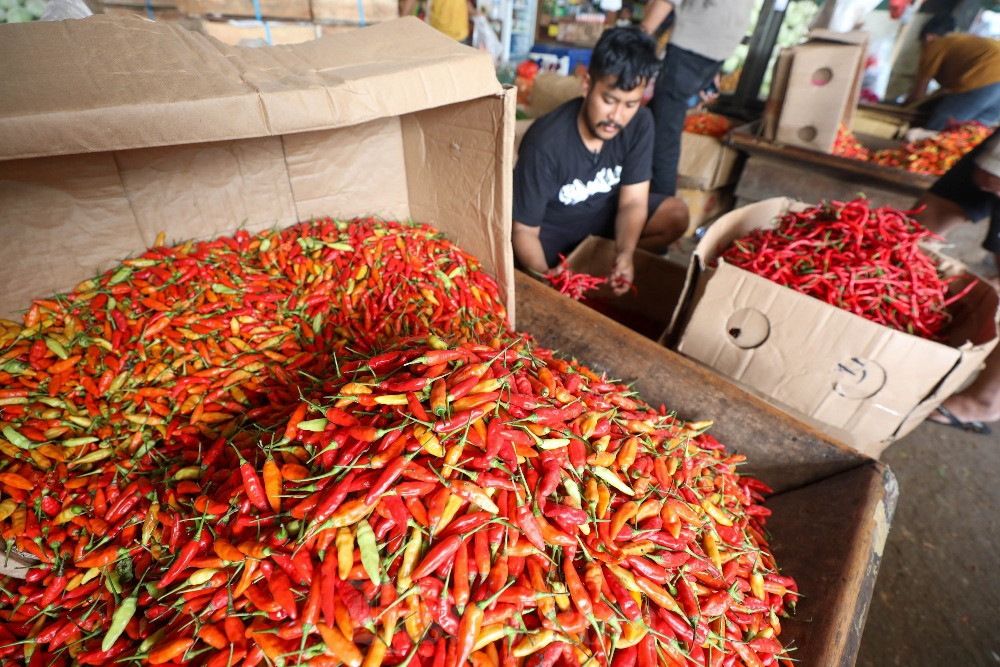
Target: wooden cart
{"x":832,"y":506}
{"x":773,"y":169}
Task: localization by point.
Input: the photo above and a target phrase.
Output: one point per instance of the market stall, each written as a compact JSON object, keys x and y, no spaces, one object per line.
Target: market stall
{"x":271,"y":435}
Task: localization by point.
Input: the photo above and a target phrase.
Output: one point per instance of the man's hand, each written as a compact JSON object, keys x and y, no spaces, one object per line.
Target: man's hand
{"x":622,"y":274}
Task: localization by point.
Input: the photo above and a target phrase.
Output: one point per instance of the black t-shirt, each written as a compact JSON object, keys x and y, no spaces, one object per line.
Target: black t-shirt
{"x":569,"y":191}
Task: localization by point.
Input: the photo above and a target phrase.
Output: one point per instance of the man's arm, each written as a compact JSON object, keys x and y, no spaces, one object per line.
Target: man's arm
{"x":406,"y":7}
{"x":633,"y":208}
{"x":528,"y":247}
{"x":656,"y":12}
{"x":918,"y":90}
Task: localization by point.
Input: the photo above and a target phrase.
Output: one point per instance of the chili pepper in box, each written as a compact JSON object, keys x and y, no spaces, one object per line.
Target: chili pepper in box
{"x":257,"y":444}
{"x":707,"y":123}
{"x":867,"y":260}
{"x":573,"y":284}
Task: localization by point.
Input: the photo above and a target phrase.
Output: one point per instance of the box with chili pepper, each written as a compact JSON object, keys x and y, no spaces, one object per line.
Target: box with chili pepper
{"x":647,"y":308}
{"x":841,"y":316}
{"x":706,"y":161}
{"x":395,"y":119}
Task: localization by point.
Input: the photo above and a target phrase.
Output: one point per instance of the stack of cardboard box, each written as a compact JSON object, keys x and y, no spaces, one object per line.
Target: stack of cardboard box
{"x":280,"y":21}
{"x":706,"y":173}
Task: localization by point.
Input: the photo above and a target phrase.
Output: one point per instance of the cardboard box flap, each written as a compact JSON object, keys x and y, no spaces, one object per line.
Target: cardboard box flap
{"x":856,"y":37}
{"x":176,"y":84}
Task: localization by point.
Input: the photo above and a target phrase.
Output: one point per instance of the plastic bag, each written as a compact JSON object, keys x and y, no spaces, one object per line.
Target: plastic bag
{"x":485,"y":39}
{"x":57,"y":10}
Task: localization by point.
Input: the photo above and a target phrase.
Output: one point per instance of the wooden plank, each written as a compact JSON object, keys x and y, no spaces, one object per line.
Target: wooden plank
{"x":829,"y":536}
{"x":745,"y":139}
{"x":764,"y":177}
{"x":782,"y":451}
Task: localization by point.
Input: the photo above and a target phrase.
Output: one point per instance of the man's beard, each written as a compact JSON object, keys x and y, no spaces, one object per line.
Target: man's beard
{"x":592,"y":126}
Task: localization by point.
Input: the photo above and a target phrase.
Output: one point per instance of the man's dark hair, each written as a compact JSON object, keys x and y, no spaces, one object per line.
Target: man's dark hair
{"x":626,"y":53}
{"x":939,"y":24}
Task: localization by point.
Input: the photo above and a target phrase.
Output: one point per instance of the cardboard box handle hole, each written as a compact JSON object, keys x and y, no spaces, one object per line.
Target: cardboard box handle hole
{"x":858,"y":378}
{"x":807,"y":133}
{"x":748,"y":328}
{"x":822,"y":76}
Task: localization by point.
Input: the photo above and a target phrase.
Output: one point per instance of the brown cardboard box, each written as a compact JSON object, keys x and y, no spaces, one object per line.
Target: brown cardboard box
{"x":273,"y":9}
{"x":822,"y":90}
{"x":207,"y":138}
{"x":705,"y":205}
{"x":354,"y":11}
{"x":854,"y":379}
{"x":658,"y":285}
{"x":706,"y":163}
{"x":250,"y":32}
{"x":166,"y":14}
{"x":551,"y":89}
{"x":579,"y":32}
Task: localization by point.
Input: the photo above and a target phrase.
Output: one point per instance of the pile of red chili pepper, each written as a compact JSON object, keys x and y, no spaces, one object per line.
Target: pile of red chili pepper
{"x":572,"y":284}
{"x":220,"y":455}
{"x":707,"y":123}
{"x":935,"y":155}
{"x":847,"y":145}
{"x":864,"y":259}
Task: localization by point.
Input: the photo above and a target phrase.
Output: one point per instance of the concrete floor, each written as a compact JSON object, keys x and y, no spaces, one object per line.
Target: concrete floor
{"x":937,"y":596}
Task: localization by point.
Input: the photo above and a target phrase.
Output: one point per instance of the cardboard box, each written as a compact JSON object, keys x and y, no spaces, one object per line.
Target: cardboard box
{"x":823,"y":88}
{"x":865,"y":383}
{"x":658,"y":285}
{"x":706,"y":163}
{"x":832,"y":508}
{"x":272,"y":9}
{"x":879,"y":124}
{"x":354,"y":11}
{"x":551,"y":90}
{"x":580,"y":32}
{"x":250,"y":32}
{"x":395,"y":120}
{"x":705,"y":205}
{"x":166,"y":14}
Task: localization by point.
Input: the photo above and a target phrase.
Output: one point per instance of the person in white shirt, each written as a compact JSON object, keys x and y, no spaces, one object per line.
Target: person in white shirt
{"x":705,"y":33}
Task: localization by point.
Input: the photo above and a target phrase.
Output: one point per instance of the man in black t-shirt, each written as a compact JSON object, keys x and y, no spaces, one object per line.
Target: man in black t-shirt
{"x":585,"y":167}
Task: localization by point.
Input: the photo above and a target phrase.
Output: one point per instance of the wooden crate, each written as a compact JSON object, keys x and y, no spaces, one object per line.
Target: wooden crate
{"x":832,"y":506}
{"x":773,"y":169}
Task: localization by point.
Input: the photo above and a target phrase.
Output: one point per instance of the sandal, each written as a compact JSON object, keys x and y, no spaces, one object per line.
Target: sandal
{"x":977,"y":427}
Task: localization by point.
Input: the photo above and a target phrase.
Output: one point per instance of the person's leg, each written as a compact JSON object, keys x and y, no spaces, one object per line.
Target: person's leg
{"x":682,"y":75}
{"x":954,"y":199}
{"x":980,"y":401}
{"x":980,"y":104}
{"x":667,"y":222}
{"x":989,"y":114}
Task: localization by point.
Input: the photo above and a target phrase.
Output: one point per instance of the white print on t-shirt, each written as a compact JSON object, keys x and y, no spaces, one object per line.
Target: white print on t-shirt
{"x":577,"y":191}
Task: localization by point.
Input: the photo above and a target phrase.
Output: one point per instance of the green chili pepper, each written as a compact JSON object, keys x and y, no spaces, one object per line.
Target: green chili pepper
{"x":369,"y":551}
{"x":123,"y":614}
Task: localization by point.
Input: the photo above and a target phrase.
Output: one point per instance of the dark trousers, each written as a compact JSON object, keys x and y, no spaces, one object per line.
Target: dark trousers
{"x":682,"y":75}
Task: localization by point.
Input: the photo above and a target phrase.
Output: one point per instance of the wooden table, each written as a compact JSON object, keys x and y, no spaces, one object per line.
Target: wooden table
{"x":832,"y":506}
{"x":775,"y":170}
